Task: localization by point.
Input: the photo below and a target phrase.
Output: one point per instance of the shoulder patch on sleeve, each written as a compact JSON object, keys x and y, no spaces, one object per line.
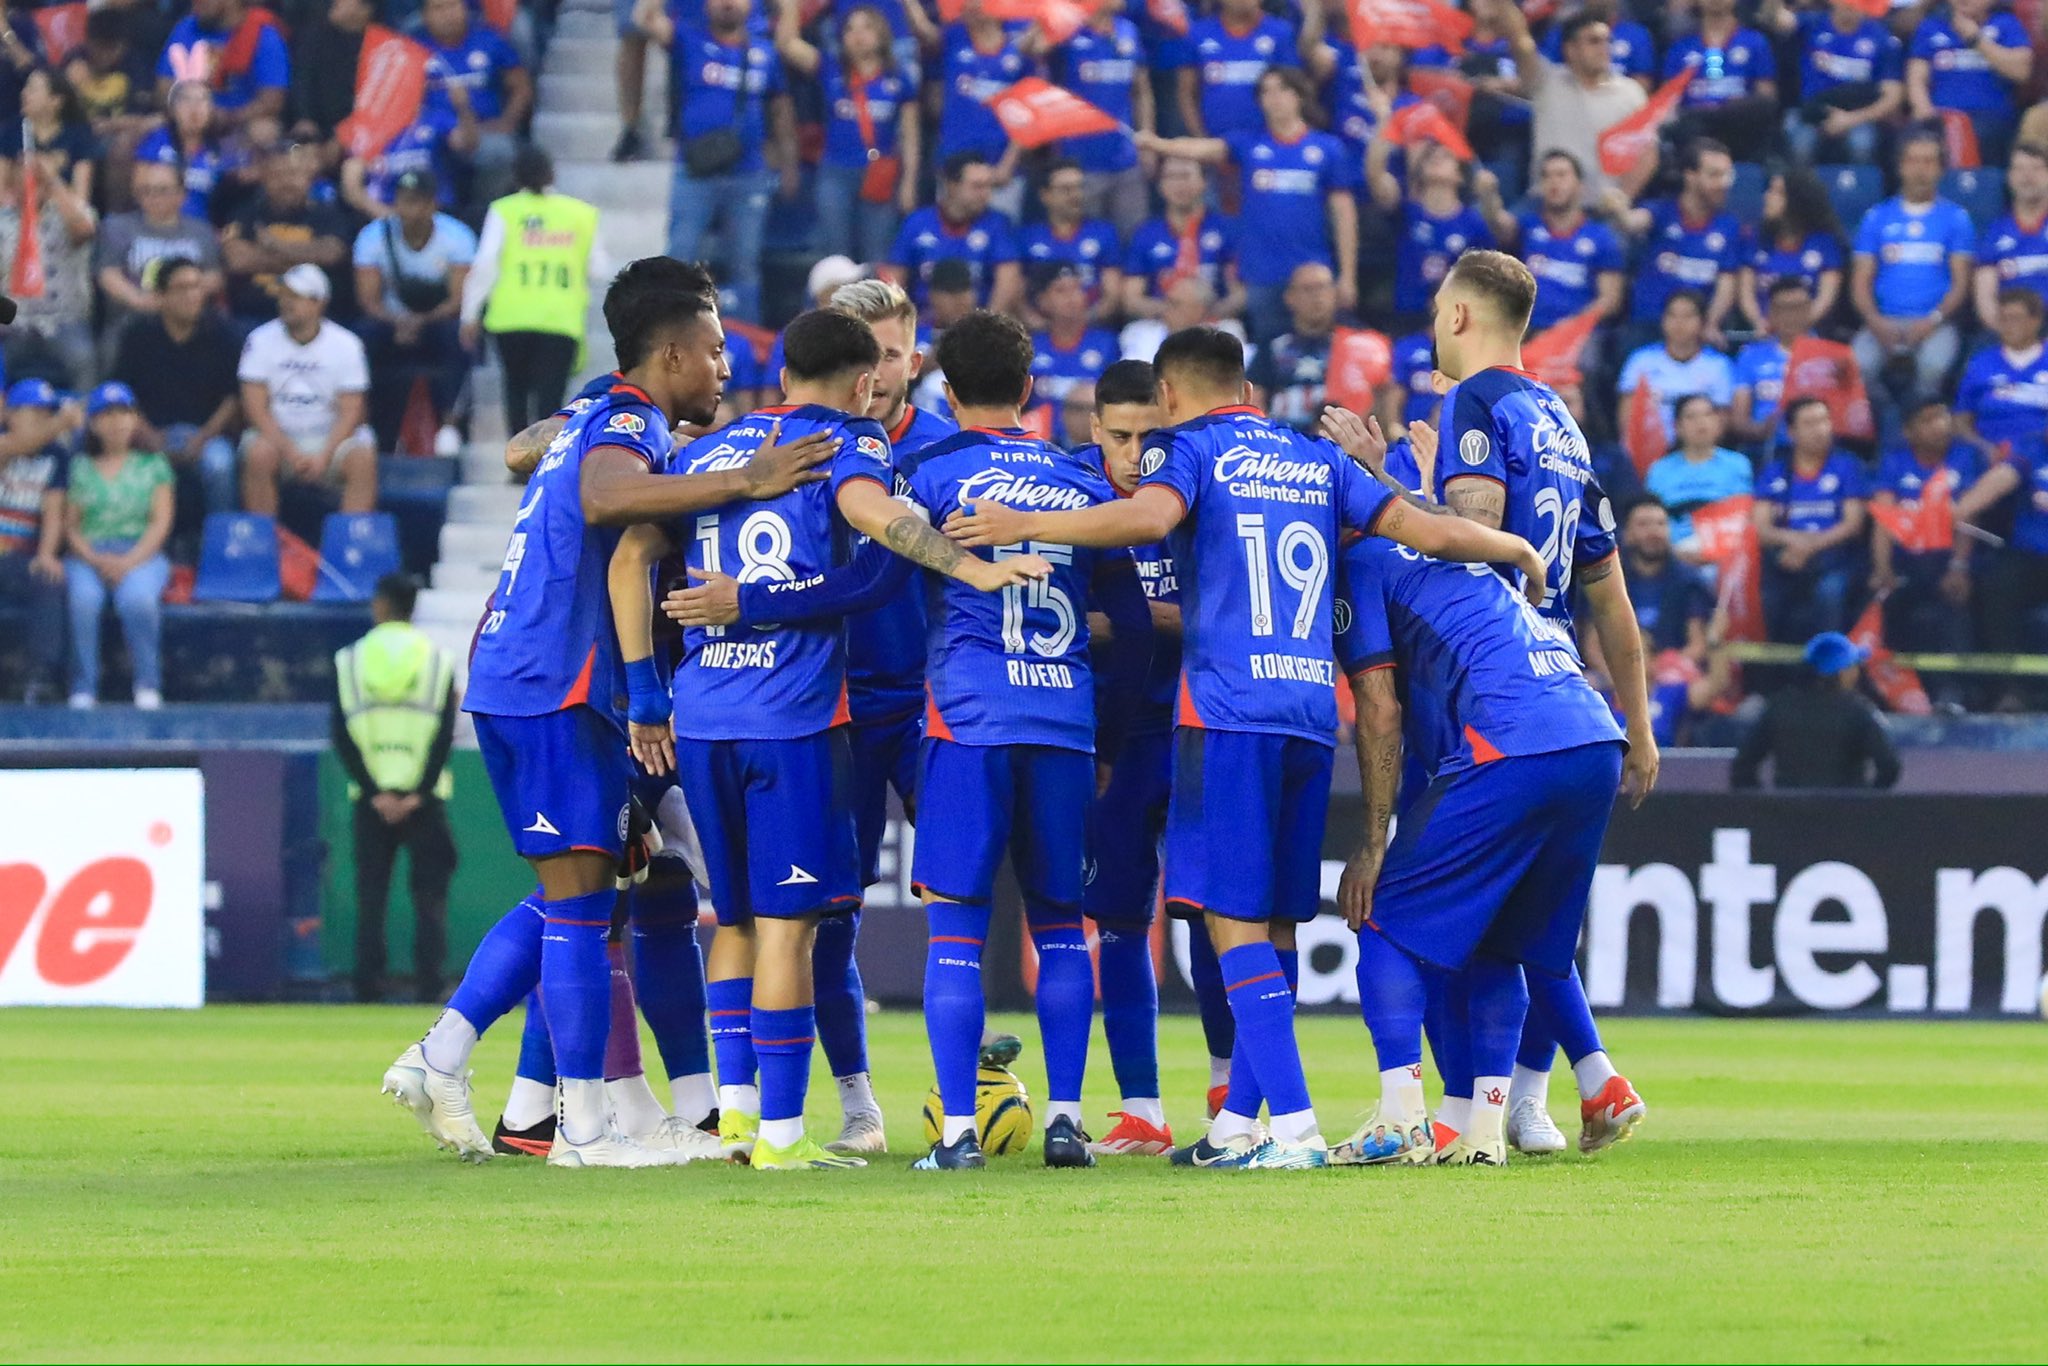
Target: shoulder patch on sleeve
{"x":1475,"y":447}
{"x":1152,"y":458}
{"x":629,"y":424}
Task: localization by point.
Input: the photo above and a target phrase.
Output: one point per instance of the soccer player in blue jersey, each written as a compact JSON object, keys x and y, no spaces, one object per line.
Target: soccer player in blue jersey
{"x":1251,"y":511}
{"x":757,"y":728}
{"x":546,"y":688}
{"x":1009,"y":734}
{"x":1512,"y":456}
{"x":1492,"y":865}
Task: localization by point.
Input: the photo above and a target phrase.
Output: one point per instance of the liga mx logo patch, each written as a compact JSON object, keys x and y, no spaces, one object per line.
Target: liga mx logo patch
{"x":1474,"y":448}
{"x":1151,"y":460}
{"x":632,"y":424}
{"x":869,"y":446}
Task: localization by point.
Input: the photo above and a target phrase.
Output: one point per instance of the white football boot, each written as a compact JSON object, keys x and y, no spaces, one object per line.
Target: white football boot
{"x":440,"y":1102}
{"x":690,"y":1142}
{"x":861,"y":1133}
{"x":610,"y":1149}
{"x":1531,"y":1130}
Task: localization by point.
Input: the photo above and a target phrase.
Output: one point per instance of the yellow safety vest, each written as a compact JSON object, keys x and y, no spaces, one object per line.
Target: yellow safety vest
{"x":544,"y":269}
{"x":394,"y":683}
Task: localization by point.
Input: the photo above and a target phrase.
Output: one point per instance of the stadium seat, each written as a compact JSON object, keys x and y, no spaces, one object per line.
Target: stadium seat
{"x":1854,"y":190}
{"x":356,"y":550}
{"x":1746,"y":194}
{"x":238,"y":559}
{"x":1980,"y":192}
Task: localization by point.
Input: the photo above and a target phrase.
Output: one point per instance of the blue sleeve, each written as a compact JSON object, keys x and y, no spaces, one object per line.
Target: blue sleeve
{"x":272,"y":66}
{"x":1468,"y":435}
{"x":1891,"y":60}
{"x":1365,"y":642}
{"x":906,"y":238}
{"x":1731,"y":249}
{"x":1962,"y":234}
{"x":1595,"y":539}
{"x":1674,"y":61}
{"x":1830,"y":249}
{"x":503,"y":55}
{"x":1771,"y":474}
{"x":1116,"y":591}
{"x":1134,"y":255}
{"x":1855,"y":481}
{"x":1970,"y":389}
{"x":1723,"y":386}
{"x":1870,"y":234}
{"x":637,"y":428}
{"x":874,"y":576}
{"x":1360,"y":497}
{"x":1002,"y":240}
{"x":1607,"y":251}
{"x":1923,"y":41}
{"x":1240,"y":145}
{"x":1170,"y":461}
{"x":1764,"y":63}
{"x":863,"y":454}
{"x":2008,"y":30}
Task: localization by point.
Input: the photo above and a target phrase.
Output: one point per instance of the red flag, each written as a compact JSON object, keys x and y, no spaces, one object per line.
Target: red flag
{"x":1643,"y":427}
{"x":1624,"y":145}
{"x":25,"y":276}
{"x":1038,"y":420}
{"x":1827,"y":371}
{"x":1873,"y":9}
{"x":1171,"y":15}
{"x":1448,"y":90}
{"x":1923,"y":524}
{"x":1034,"y":112}
{"x":500,"y":13}
{"x":63,"y":28}
{"x":1412,"y":24}
{"x":1425,"y":122}
{"x":1060,"y":19}
{"x":1898,"y":685}
{"x":951,"y":10}
{"x":1959,"y":139}
{"x":1553,"y":354}
{"x":391,"y":80}
{"x":1361,"y":360}
{"x":1726,"y":533}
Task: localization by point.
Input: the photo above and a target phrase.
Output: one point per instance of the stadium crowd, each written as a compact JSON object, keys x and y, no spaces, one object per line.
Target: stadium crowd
{"x":1849,"y":203}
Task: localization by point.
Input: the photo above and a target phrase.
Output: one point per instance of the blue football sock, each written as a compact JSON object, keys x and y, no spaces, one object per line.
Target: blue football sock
{"x":1217,"y":1025}
{"x":732,"y":1029}
{"x":536,"y":1053}
{"x":1447,"y":1023}
{"x":668,"y":974}
{"x":1290,"y":968}
{"x":1246,"y":1095}
{"x":1065,"y":997}
{"x":954,"y":1007}
{"x":1390,"y":996}
{"x":782,"y":1043}
{"x":1558,"y":1005}
{"x":842,"y":999}
{"x":1130,"y":1007}
{"x":1500,"y":1001}
{"x":504,"y":968}
{"x":576,"y":980}
{"x":1263,"y":1005}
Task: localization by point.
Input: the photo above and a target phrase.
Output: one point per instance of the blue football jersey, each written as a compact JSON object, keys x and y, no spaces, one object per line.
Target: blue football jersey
{"x":1502,"y":678}
{"x":1508,"y":426}
{"x":1158,"y":577}
{"x":885,"y":645}
{"x":1009,"y":668}
{"x":771,"y":682}
{"x":1255,"y":555}
{"x":547,"y":642}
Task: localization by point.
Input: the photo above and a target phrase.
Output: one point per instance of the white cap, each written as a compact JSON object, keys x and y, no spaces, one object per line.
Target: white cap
{"x":831,"y":273}
{"x":307,"y":281}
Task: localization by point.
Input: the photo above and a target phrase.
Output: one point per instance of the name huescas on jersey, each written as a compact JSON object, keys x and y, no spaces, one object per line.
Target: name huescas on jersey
{"x":547,"y":642}
{"x":1255,"y":555}
{"x":771,"y":682}
{"x":1010,"y":668}
{"x":1510,"y":427}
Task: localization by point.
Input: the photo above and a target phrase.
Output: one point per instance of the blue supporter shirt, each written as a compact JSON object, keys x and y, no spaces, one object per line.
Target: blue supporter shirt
{"x":1901,"y":474}
{"x":421,"y":148}
{"x":886,"y":93}
{"x":1103,"y":69}
{"x":1507,"y":426}
{"x":2018,"y":252}
{"x":547,"y":643}
{"x":1723,"y":73}
{"x":1806,"y":261}
{"x":270,"y":66}
{"x":1287,"y":186}
{"x":1829,"y":58}
{"x":885,"y":645}
{"x":1958,"y":77}
{"x":1567,"y":265}
{"x":1760,"y":368}
{"x":1351,"y":113}
{"x":1414,"y":370}
{"x":1505,"y":680}
{"x":1427,"y":248}
{"x":1630,"y":47}
{"x":972,"y":76}
{"x":1230,"y":63}
{"x":1010,"y":668}
{"x":724,"y":86}
{"x":202,"y":171}
{"x":1089,"y":249}
{"x":1679,"y":254}
{"x":1256,"y":551}
{"x":1912,"y":245}
{"x":1161,"y":255}
{"x":927,"y":238}
{"x":2030,"y":522}
{"x":1709,"y":372}
{"x":2007,"y":397}
{"x":478,"y":63}
{"x":1061,"y":365}
{"x":1816,"y":501}
{"x":771,"y":682}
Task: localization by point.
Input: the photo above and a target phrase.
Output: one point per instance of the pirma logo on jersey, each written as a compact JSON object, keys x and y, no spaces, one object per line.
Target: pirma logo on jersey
{"x":632,"y":424}
{"x":1474,"y":448}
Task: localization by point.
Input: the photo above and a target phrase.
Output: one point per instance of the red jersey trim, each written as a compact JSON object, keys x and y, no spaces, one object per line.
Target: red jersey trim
{"x":579,"y":691}
{"x":1232,"y":410}
{"x":934,"y":720}
{"x":1483,"y":751}
{"x":1185,"y":714}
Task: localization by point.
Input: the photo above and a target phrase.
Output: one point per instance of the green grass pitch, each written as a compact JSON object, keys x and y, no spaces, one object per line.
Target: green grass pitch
{"x":229,"y":1185}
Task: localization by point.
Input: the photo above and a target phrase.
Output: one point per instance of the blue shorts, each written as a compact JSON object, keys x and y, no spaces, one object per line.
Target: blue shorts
{"x":1124,"y":826}
{"x":1244,"y":829}
{"x":1499,"y":859}
{"x":884,"y":756}
{"x":561,"y":780}
{"x":979,"y":800}
{"x":776,"y":820}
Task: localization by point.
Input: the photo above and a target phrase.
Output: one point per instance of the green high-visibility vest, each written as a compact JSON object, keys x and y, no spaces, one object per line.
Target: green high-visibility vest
{"x":544,"y":269}
{"x":394,"y":683}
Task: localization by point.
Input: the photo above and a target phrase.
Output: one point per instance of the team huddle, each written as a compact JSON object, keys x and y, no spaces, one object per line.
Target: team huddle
{"x":707,"y":661}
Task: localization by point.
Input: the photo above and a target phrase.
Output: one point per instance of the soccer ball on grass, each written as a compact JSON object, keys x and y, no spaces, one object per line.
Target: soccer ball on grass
{"x":1002,"y":1112}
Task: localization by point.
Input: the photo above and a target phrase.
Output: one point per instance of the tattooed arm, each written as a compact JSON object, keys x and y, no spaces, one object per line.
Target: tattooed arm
{"x":868,"y":509}
{"x":1379,"y":766}
{"x":523,"y":452}
{"x":1477,"y":499}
